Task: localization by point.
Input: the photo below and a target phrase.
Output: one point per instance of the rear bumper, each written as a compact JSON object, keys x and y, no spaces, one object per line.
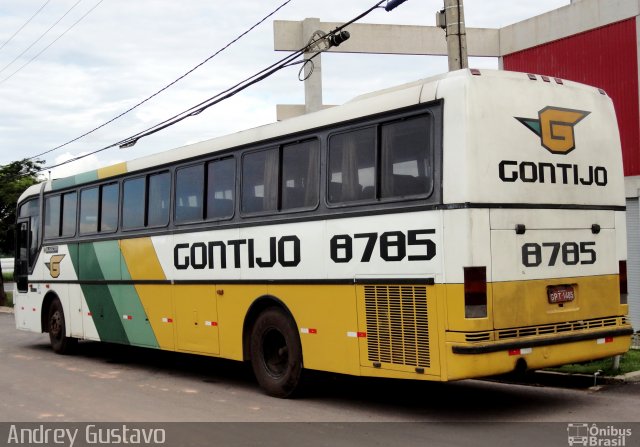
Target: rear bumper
{"x":556,"y":340}
{"x":471,"y":360}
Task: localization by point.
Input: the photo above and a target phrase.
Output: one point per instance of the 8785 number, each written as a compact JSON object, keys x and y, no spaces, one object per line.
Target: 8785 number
{"x":569,"y":253}
{"x":392,"y":246}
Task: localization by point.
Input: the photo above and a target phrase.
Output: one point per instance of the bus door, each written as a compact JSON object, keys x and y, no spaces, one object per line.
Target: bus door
{"x":21,"y":269}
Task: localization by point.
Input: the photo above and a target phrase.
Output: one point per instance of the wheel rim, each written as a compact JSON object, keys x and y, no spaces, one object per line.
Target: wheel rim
{"x":275,"y":353}
{"x":55,"y":325}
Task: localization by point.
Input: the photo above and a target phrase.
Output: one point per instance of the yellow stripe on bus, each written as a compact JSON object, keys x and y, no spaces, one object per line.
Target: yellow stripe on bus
{"x":113,"y":170}
{"x":143,"y":263}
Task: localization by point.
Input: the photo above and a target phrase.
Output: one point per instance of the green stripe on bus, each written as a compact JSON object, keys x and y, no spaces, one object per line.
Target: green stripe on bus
{"x":67,"y":182}
{"x":61,"y":183}
{"x":125,"y":298}
{"x":86,"y":177}
{"x":106,"y":317}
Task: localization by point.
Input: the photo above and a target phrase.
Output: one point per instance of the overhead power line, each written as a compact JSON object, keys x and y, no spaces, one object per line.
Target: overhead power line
{"x":38,"y":39}
{"x":54,"y":41}
{"x":240,"y":86}
{"x":187,"y":73}
{"x":24,"y":24}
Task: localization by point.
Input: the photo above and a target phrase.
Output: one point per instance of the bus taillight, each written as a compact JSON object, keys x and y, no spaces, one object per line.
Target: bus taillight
{"x":475,"y":292}
{"x":622,"y":266}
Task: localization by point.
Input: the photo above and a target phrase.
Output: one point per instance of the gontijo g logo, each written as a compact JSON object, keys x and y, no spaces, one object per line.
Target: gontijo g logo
{"x":555,"y":126}
{"x":54,"y":265}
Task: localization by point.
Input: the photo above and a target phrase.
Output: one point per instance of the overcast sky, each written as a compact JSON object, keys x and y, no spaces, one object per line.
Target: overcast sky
{"x":125,"y":50}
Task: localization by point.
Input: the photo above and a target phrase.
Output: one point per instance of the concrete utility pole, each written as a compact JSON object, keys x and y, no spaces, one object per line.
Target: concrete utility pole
{"x":451,"y":19}
{"x":313,"y":79}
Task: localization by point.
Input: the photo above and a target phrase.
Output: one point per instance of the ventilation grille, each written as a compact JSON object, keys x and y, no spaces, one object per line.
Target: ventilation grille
{"x":569,"y":326}
{"x":397,"y":327}
{"x":477,"y":336}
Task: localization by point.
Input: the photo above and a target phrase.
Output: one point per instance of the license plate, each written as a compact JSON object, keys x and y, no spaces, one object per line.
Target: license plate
{"x":560,"y":294}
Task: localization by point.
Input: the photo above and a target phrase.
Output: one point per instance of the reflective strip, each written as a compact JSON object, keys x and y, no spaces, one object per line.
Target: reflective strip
{"x":167,"y":320}
{"x":523,"y":351}
{"x":210,"y":323}
{"x":127,"y":317}
{"x":602,"y":341}
{"x":357,"y":334}
{"x":306,"y":330}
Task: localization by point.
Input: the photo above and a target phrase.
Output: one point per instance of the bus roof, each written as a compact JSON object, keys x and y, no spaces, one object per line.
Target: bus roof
{"x":400,"y":96}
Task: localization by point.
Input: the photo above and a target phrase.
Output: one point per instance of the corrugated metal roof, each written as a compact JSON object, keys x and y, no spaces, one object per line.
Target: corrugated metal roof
{"x":605,"y":57}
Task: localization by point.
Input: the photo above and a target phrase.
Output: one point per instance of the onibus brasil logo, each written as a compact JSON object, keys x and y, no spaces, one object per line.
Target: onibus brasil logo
{"x":555,"y":126}
{"x":592,"y":435}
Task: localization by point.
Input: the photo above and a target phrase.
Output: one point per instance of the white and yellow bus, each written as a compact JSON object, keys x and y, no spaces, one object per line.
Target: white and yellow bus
{"x":461,"y":226}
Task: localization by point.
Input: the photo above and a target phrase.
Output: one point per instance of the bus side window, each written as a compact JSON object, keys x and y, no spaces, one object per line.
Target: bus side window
{"x":189,"y":193}
{"x":52,"y":216}
{"x":406,"y":158}
{"x":300,"y":170}
{"x":109,"y":207}
{"x":133,"y":203}
{"x":352,"y":161}
{"x":158,"y":200}
{"x":60,"y":213}
{"x":221,"y":188}
{"x":89,"y":210}
{"x":69,"y":213}
{"x":260,"y":181}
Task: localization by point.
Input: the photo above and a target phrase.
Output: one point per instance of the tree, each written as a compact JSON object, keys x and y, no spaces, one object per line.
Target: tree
{"x":15,"y":177}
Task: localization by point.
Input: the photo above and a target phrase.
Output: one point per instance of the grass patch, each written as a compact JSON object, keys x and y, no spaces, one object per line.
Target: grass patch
{"x":7,"y":276}
{"x":9,"y":301}
{"x":629,"y":362}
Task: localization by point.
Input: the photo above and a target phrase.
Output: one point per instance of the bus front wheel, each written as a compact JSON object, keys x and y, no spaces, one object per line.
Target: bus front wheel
{"x":60,"y":343}
{"x":276,"y":353}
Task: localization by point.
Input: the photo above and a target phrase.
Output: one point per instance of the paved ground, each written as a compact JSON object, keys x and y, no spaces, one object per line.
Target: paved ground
{"x":122,"y":384}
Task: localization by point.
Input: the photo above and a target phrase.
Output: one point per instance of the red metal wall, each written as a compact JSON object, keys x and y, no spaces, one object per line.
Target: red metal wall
{"x":604,"y":57}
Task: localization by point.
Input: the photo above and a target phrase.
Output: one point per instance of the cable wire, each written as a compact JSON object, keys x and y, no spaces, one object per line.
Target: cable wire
{"x":37,"y":40}
{"x":237,"y":88}
{"x":54,"y":41}
{"x":25,"y":24}
{"x":130,"y":109}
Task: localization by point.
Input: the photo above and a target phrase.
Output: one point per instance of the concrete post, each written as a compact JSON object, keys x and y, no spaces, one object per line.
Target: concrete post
{"x":456,"y":34}
{"x":313,"y":82}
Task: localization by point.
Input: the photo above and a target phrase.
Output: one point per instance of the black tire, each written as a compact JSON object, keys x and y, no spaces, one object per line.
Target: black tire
{"x":57,"y":328}
{"x":276,"y":353}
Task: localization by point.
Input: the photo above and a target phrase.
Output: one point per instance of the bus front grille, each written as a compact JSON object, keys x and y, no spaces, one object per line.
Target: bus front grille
{"x":397,"y":325}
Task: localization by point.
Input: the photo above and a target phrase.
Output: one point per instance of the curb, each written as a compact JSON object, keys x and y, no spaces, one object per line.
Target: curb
{"x":6,"y":310}
{"x":633,"y":376}
{"x":587,"y":380}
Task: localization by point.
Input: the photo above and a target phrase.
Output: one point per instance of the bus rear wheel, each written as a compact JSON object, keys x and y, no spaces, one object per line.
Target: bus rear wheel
{"x":60,"y":343}
{"x":276,"y":353}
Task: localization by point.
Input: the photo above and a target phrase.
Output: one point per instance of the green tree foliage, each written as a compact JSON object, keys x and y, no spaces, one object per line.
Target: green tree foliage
{"x":15,"y":177}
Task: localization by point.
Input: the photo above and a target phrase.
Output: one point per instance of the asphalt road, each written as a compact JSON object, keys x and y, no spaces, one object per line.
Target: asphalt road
{"x":109,"y":383}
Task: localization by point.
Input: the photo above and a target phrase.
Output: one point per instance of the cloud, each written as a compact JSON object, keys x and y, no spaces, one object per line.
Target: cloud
{"x":124,"y":51}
